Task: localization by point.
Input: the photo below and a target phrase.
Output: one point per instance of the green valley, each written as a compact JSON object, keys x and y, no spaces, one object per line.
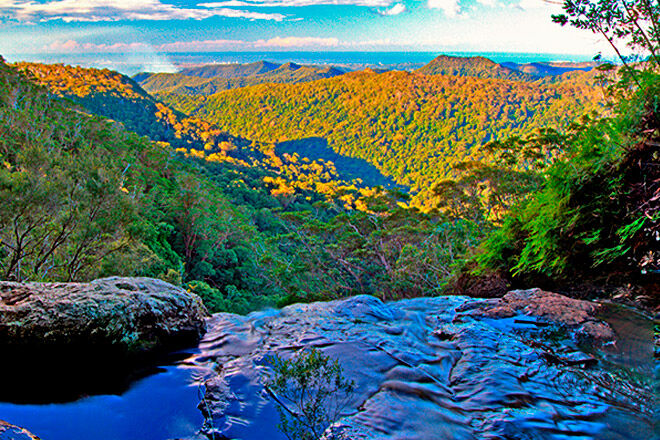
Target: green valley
{"x":207,"y":80}
{"x":290,"y":203}
{"x":414,"y":128}
{"x":243,"y":225}
{"x":338,"y":219}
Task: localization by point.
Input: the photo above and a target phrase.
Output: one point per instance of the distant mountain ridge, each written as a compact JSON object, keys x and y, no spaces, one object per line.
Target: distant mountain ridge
{"x":481,"y":67}
{"x":213,"y":78}
{"x":210,"y":79}
{"x":415,"y":128}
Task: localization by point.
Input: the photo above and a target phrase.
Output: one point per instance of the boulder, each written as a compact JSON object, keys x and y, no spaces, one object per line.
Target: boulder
{"x":11,"y":432}
{"x":129,"y":315}
{"x":549,"y":307}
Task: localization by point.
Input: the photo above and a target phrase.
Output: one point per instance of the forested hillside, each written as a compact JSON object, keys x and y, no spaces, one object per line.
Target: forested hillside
{"x":207,"y":80}
{"x":115,"y":96}
{"x":110,"y":94}
{"x":85,"y":198}
{"x":415,"y":128}
{"x":479,"y":67}
{"x":508,"y":175}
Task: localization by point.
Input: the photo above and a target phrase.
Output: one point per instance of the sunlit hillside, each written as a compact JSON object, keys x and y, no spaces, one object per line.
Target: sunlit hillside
{"x":207,"y":80}
{"x":413,"y":127}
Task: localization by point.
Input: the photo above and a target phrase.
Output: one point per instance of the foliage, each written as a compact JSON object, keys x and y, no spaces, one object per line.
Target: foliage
{"x":579,"y":219}
{"x":66,"y":210}
{"x":384,"y":250}
{"x":232,"y":300}
{"x":311,"y":392}
{"x":84,"y":198}
{"x":207,"y":80}
{"x":633,"y":22}
{"x":598,"y":209}
{"x":414,"y":128}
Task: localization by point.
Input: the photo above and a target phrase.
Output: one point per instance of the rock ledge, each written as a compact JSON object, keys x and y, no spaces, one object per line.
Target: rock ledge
{"x":132,"y":315}
{"x":549,"y":307}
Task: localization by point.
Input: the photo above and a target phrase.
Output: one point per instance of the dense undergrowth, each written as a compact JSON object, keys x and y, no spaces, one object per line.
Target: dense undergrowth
{"x":246,"y":226}
{"x":596,"y":217}
{"x":241,"y":226}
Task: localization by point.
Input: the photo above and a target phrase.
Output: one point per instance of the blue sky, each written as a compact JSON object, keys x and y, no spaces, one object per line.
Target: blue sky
{"x":80,"y":26}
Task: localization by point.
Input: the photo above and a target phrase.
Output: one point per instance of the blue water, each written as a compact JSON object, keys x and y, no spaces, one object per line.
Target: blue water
{"x":131,"y":63}
{"x":371,"y":59}
{"x":160,"y":407}
{"x":424,"y":368}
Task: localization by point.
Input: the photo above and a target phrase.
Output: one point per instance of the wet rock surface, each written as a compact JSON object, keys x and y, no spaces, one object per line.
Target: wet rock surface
{"x":134,"y":315}
{"x":550,"y":307}
{"x":11,"y":432}
{"x":432,"y":368}
{"x":60,"y":342}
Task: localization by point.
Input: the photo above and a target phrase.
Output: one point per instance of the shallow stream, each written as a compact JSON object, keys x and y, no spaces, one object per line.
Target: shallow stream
{"x":422,"y":370}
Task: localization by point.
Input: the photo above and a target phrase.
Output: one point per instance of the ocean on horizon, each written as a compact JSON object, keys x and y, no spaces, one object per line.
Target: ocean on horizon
{"x":131,"y":63}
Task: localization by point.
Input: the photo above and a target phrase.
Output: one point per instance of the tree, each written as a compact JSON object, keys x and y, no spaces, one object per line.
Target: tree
{"x":635,"y":22}
{"x":311,"y":392}
{"x":597,"y":211}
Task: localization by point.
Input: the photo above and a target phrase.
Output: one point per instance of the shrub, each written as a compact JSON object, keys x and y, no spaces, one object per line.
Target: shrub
{"x":311,"y":393}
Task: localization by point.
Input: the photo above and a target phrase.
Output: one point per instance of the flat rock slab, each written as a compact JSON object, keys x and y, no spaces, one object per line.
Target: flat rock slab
{"x":420,"y":373}
{"x":549,"y":307}
{"x":134,"y":315}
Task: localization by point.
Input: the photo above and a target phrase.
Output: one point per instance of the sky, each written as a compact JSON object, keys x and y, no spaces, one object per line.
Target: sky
{"x":176,"y":26}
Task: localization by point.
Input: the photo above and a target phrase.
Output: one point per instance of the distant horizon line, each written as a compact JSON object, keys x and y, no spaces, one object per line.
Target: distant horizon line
{"x":439,"y":52}
{"x":133,"y":62}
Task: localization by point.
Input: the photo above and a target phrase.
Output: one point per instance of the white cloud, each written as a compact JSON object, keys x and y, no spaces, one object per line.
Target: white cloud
{"x":527,"y":5}
{"x":296,"y":3}
{"x":177,"y":46}
{"x":73,"y":46}
{"x":396,"y":9}
{"x":114,"y":10}
{"x":287,"y":42}
{"x":63,"y":46}
{"x":199,"y":46}
{"x":522,"y":31}
{"x":490,"y":3}
{"x":451,"y":8}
